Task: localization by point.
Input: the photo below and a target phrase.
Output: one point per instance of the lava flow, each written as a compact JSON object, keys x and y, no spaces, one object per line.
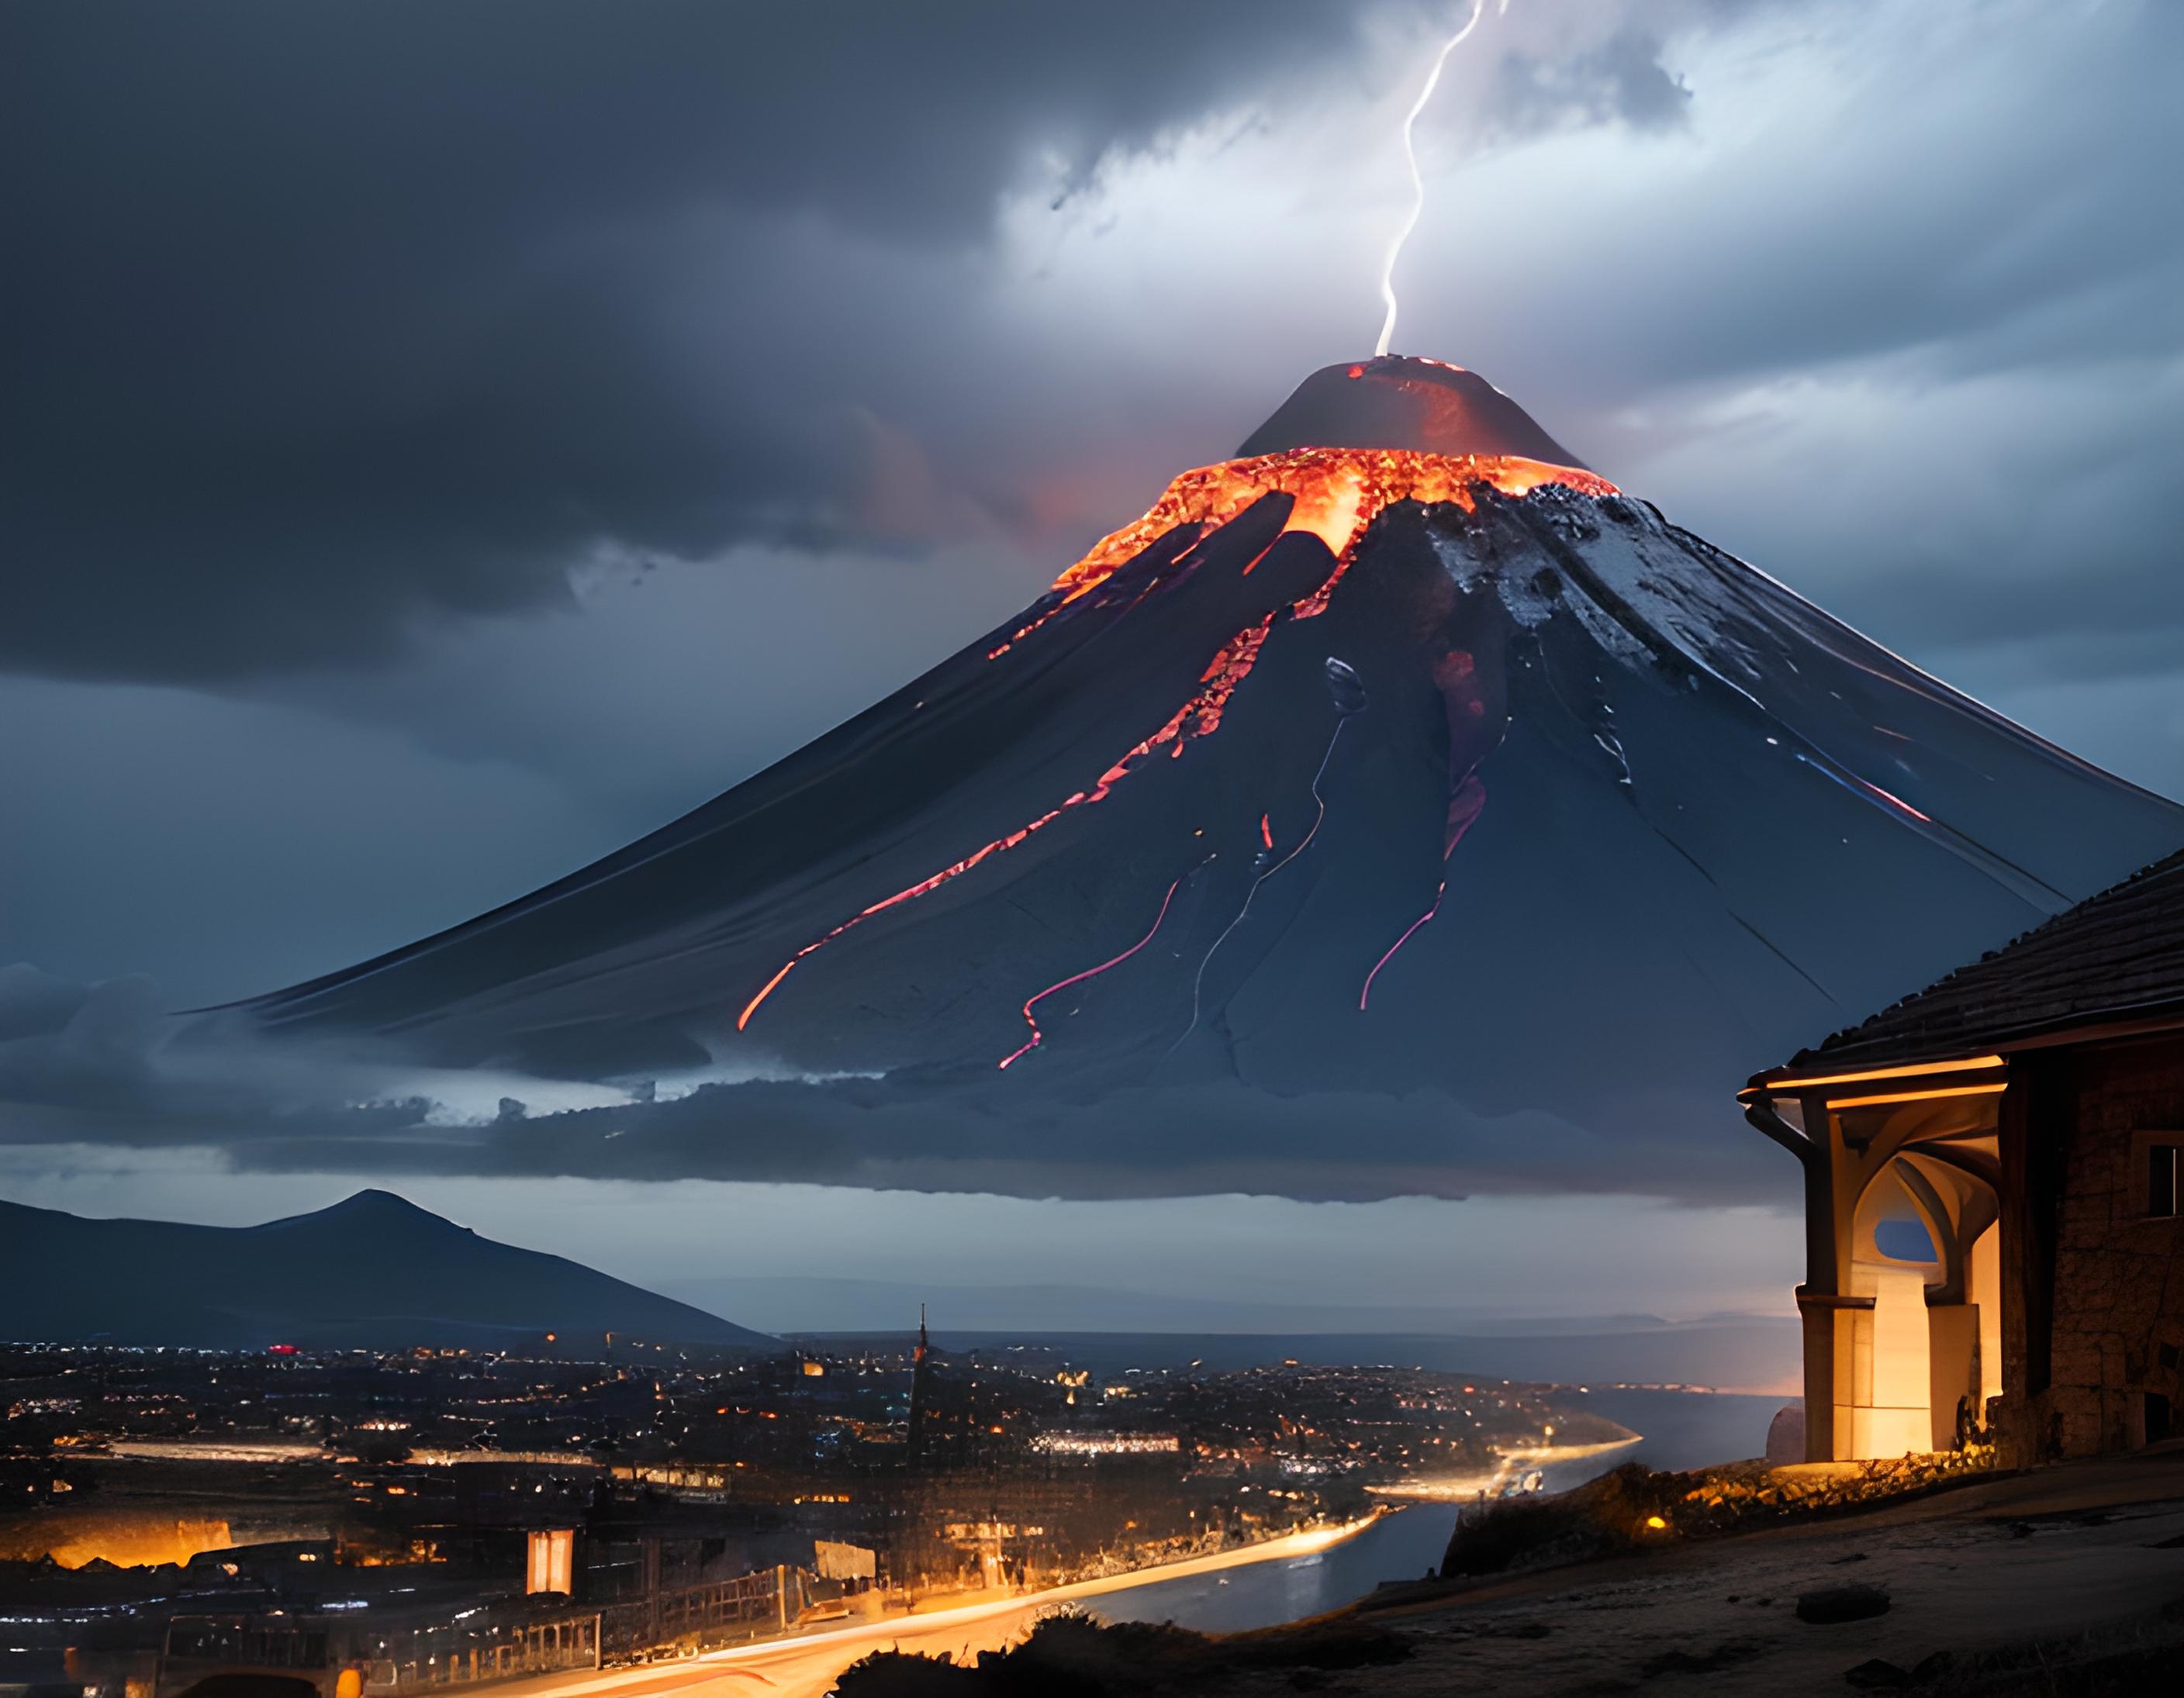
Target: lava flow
{"x":1464,"y":809}
{"x":1031,"y":1020}
{"x":1475,"y":729}
{"x":1336,"y":493}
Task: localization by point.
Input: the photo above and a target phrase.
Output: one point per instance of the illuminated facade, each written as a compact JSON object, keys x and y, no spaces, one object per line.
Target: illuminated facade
{"x":1992,"y":1232}
{"x":550,"y":1561}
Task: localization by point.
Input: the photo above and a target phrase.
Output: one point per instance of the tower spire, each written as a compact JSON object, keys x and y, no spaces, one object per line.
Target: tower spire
{"x":921,"y":1390}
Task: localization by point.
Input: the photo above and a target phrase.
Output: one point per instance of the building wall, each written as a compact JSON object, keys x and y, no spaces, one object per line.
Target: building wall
{"x":2118,"y":1293}
{"x":1888,"y":1391}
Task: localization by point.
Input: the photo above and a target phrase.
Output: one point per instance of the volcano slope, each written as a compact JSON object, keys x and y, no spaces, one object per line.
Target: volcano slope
{"x":1393,"y":792}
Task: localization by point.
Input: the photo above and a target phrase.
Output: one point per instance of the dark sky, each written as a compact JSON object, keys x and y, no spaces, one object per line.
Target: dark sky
{"x":443,"y":442}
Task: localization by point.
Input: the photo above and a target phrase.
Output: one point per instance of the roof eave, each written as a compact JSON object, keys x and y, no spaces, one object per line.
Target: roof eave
{"x":2085,"y":1026}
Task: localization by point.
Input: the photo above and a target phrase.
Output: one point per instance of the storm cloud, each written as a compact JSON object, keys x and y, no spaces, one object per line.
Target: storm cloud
{"x":330,"y":319}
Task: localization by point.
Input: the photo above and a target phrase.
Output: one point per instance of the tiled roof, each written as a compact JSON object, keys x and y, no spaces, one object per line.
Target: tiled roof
{"x":2114,"y":956}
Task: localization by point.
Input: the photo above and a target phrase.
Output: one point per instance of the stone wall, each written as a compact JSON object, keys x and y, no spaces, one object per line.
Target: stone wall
{"x":2119,"y":1277}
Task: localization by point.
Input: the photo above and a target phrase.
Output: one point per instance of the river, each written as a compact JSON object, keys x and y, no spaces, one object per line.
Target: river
{"x":1292,"y":1579}
{"x":1679,"y":1429}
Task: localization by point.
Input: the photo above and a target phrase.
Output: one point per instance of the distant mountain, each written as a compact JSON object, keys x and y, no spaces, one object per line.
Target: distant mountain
{"x":374,"y":1272}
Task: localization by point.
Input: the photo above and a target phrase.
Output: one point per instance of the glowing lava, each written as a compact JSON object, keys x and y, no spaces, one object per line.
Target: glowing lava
{"x":1464,"y":809}
{"x":1455,"y":675}
{"x":1339,"y":493}
{"x":1031,"y":1020}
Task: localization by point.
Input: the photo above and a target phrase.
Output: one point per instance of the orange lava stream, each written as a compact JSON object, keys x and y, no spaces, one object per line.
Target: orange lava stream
{"x":1031,"y":1020}
{"x":1339,"y":492}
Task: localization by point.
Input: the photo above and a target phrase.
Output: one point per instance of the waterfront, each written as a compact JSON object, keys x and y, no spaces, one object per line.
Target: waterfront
{"x":806,"y":1665}
{"x":1402,"y":1545}
{"x":1676,"y":1429}
{"x":1285,"y":1579}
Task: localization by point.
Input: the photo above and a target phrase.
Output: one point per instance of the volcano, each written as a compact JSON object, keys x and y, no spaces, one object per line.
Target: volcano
{"x":1400,"y":768}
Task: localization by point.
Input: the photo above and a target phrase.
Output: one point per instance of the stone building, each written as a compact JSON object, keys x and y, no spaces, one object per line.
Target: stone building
{"x":1992,"y":1196}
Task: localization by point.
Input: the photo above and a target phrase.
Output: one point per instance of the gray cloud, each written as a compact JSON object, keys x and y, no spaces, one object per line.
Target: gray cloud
{"x":1622,"y":80}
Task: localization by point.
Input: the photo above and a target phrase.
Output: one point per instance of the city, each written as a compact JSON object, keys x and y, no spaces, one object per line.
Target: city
{"x":448,"y":1515}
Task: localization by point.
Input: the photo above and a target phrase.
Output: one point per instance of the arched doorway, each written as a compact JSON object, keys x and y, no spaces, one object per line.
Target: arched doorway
{"x":1893,"y":1261}
{"x":1919,"y":1347}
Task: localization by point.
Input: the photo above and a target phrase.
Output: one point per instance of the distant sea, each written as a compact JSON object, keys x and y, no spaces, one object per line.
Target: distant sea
{"x":1739,"y":1352}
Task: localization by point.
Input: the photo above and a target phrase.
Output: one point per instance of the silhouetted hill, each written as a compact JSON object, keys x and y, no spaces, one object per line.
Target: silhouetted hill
{"x":374,"y":1271}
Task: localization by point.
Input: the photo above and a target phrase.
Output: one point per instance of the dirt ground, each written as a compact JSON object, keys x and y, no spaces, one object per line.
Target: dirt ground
{"x":2041,"y":1556}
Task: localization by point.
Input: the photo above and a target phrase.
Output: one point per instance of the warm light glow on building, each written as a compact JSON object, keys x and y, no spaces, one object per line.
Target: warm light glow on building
{"x":551,"y":1564}
{"x":1986,"y":1090}
{"x":1790,"y":1081}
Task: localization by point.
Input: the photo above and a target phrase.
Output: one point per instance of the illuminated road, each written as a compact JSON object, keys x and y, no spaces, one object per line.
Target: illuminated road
{"x":1564,"y":1465}
{"x":806,"y":1666}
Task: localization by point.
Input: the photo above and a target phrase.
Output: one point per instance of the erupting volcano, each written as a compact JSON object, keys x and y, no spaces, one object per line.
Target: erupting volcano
{"x":1400,"y":760}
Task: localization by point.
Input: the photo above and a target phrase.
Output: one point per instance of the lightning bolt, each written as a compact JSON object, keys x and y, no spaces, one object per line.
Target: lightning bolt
{"x":1417,"y":180}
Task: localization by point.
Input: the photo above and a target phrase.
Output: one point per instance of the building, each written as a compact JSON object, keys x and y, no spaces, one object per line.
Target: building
{"x":1992,"y":1196}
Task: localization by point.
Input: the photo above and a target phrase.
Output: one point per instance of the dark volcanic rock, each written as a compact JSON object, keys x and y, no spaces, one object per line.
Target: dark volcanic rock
{"x":1833,"y":1604}
{"x":1394,"y":401}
